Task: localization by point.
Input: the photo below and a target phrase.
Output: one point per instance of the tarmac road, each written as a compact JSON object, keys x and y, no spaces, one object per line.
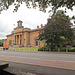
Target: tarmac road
{"x":45,"y":63}
{"x":41,"y":55}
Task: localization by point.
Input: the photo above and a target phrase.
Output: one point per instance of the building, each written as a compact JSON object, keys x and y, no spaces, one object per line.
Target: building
{"x":25,"y":37}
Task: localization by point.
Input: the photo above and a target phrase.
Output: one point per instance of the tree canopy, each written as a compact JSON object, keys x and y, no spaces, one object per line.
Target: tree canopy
{"x":42,"y":4}
{"x":58,"y":30}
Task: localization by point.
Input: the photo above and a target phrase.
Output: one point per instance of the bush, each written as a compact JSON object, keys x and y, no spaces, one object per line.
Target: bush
{"x":1,"y":44}
{"x":71,"y":50}
{"x":43,"y":49}
{"x":63,"y":49}
{"x":73,"y":45}
{"x":46,"y":49}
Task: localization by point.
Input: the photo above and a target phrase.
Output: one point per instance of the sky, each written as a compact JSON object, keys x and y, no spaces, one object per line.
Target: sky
{"x":30,"y":18}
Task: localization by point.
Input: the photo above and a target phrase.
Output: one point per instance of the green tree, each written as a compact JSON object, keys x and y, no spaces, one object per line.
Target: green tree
{"x":42,"y":4}
{"x":58,"y":30}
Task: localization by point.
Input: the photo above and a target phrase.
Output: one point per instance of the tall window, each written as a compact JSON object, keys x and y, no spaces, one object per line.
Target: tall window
{"x":36,"y":42}
{"x":9,"y":42}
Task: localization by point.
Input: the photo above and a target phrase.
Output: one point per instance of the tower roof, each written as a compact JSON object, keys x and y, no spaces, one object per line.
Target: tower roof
{"x":19,"y":24}
{"x":19,"y":21}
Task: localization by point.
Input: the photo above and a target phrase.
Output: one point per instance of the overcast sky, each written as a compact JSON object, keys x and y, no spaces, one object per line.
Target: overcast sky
{"x":30,"y":17}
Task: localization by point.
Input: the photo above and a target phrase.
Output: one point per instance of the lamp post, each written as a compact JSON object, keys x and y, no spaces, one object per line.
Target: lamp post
{"x":14,"y":37}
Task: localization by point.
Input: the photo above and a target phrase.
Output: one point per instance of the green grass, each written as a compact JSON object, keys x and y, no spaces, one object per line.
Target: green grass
{"x":71,"y":49}
{"x":25,"y":48}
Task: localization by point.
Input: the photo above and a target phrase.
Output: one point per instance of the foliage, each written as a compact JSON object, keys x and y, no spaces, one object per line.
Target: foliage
{"x":58,"y":30}
{"x":42,"y":4}
{"x":1,"y":43}
{"x":4,"y":4}
{"x":71,"y":49}
{"x":62,"y":49}
{"x":43,"y":49}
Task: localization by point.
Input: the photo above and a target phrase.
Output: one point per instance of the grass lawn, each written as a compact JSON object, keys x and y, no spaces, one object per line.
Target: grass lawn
{"x":25,"y":48}
{"x":71,"y":49}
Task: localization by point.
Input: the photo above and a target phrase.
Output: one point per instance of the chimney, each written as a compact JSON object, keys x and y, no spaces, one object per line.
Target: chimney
{"x":37,"y":27}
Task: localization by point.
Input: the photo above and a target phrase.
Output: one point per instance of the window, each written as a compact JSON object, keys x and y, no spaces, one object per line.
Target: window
{"x":9,"y":42}
{"x":36,"y":42}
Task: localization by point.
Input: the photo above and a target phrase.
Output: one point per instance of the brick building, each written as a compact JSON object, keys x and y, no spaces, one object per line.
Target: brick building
{"x":25,"y":36}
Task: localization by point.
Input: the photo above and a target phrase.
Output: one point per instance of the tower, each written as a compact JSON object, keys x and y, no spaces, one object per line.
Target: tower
{"x":19,"y":24}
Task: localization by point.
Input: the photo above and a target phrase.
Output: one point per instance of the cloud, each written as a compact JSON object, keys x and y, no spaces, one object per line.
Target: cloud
{"x":30,"y":17}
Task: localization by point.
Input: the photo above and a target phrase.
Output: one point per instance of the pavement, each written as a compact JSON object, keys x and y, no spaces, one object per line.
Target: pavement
{"x":3,"y":65}
{"x":29,"y":69}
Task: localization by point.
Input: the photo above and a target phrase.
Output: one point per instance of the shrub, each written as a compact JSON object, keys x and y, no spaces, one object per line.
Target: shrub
{"x":63,"y":49}
{"x":43,"y":49}
{"x":46,"y":49}
{"x":71,"y":50}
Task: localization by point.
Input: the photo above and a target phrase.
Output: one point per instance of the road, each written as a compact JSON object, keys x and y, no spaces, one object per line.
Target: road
{"x":51,"y":62}
{"x":40,"y":55}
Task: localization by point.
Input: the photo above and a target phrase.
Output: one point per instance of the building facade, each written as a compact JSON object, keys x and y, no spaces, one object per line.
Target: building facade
{"x":25,"y":37}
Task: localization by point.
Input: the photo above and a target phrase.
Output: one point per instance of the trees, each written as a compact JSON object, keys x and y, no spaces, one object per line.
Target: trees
{"x":58,"y":30}
{"x":42,"y":4}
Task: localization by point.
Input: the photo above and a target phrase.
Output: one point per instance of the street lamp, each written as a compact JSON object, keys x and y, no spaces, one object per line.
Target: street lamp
{"x":14,"y":37}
